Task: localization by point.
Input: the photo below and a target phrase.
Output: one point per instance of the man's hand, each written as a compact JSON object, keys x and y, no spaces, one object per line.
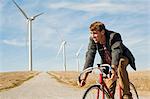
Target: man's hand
{"x":82,"y":81}
{"x":114,"y":75}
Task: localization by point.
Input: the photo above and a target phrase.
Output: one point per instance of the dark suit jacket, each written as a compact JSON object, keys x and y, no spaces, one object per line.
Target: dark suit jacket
{"x":114,"y":45}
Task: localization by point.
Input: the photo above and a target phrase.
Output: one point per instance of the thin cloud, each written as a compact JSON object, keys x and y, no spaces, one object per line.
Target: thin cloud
{"x":99,"y":6}
{"x":14,"y":42}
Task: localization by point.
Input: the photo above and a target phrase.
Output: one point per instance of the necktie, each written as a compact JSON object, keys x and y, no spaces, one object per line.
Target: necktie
{"x":107,"y":56}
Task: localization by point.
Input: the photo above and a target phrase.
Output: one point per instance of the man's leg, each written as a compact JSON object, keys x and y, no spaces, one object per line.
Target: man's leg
{"x":112,"y":86}
{"x":123,"y":77}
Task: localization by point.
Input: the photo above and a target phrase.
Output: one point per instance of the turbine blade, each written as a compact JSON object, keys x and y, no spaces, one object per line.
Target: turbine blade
{"x":61,"y":46}
{"x":60,"y":35}
{"x":20,"y":9}
{"x":78,"y":52}
{"x":37,"y":15}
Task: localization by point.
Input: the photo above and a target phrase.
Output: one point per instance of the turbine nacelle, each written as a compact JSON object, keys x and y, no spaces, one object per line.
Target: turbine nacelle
{"x":77,"y":54}
{"x":31,"y":18}
{"x":64,"y":42}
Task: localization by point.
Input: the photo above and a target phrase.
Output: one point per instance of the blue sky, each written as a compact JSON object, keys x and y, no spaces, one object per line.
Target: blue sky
{"x":69,"y":20}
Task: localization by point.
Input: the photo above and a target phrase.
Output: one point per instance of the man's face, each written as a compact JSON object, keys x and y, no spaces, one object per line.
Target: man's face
{"x":97,"y":35}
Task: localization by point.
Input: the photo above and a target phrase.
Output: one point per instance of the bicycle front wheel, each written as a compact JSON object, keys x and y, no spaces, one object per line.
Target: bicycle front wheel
{"x":95,"y":92}
{"x":133,"y":91}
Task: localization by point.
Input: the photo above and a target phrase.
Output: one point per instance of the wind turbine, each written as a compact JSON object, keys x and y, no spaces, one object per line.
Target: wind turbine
{"x":77,"y":56}
{"x":63,"y":48}
{"x":29,"y":19}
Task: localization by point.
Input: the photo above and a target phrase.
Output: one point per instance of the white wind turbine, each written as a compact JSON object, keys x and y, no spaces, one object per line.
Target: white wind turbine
{"x":63,"y":48}
{"x":29,"y":19}
{"x":77,"y":56}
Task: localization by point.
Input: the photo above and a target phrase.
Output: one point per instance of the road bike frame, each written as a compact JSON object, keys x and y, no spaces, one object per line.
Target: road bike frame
{"x":102,"y":83}
{"x":104,"y":86}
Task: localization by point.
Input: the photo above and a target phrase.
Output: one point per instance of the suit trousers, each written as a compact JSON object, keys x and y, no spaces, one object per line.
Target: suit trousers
{"x":123,"y":79}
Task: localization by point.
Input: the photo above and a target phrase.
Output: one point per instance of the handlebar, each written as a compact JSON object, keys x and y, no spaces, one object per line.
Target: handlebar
{"x":99,"y":67}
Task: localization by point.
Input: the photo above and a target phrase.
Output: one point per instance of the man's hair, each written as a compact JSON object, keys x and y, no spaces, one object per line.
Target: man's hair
{"x":97,"y":26}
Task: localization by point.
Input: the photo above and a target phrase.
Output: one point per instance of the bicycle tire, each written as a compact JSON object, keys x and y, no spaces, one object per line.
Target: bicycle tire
{"x":91,"y":92}
{"x":133,"y":91}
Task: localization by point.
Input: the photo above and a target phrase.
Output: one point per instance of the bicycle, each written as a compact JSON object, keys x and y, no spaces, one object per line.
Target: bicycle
{"x":100,"y":90}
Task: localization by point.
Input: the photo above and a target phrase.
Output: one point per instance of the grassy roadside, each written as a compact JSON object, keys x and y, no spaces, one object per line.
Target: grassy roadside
{"x":70,"y":78}
{"x":12,"y":79}
{"x":140,"y":79}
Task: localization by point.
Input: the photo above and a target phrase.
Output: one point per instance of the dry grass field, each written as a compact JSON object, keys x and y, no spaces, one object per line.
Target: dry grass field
{"x":12,"y":79}
{"x":71,"y":77}
{"x":140,"y":79}
{"x":8,"y":80}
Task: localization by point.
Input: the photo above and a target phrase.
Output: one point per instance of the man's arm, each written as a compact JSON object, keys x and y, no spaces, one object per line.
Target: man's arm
{"x":89,"y":60}
{"x":116,"y":48}
{"x":90,"y":54}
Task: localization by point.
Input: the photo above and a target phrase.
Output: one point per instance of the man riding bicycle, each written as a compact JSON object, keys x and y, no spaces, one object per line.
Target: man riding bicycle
{"x":113,"y":52}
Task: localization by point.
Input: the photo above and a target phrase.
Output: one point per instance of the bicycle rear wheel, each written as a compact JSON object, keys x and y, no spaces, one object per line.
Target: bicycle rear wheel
{"x":95,"y":92}
{"x":133,"y":91}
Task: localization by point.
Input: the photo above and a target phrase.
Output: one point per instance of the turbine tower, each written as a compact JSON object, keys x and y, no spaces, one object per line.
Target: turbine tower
{"x":63,"y":48}
{"x":77,"y":56}
{"x":29,"y":19}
